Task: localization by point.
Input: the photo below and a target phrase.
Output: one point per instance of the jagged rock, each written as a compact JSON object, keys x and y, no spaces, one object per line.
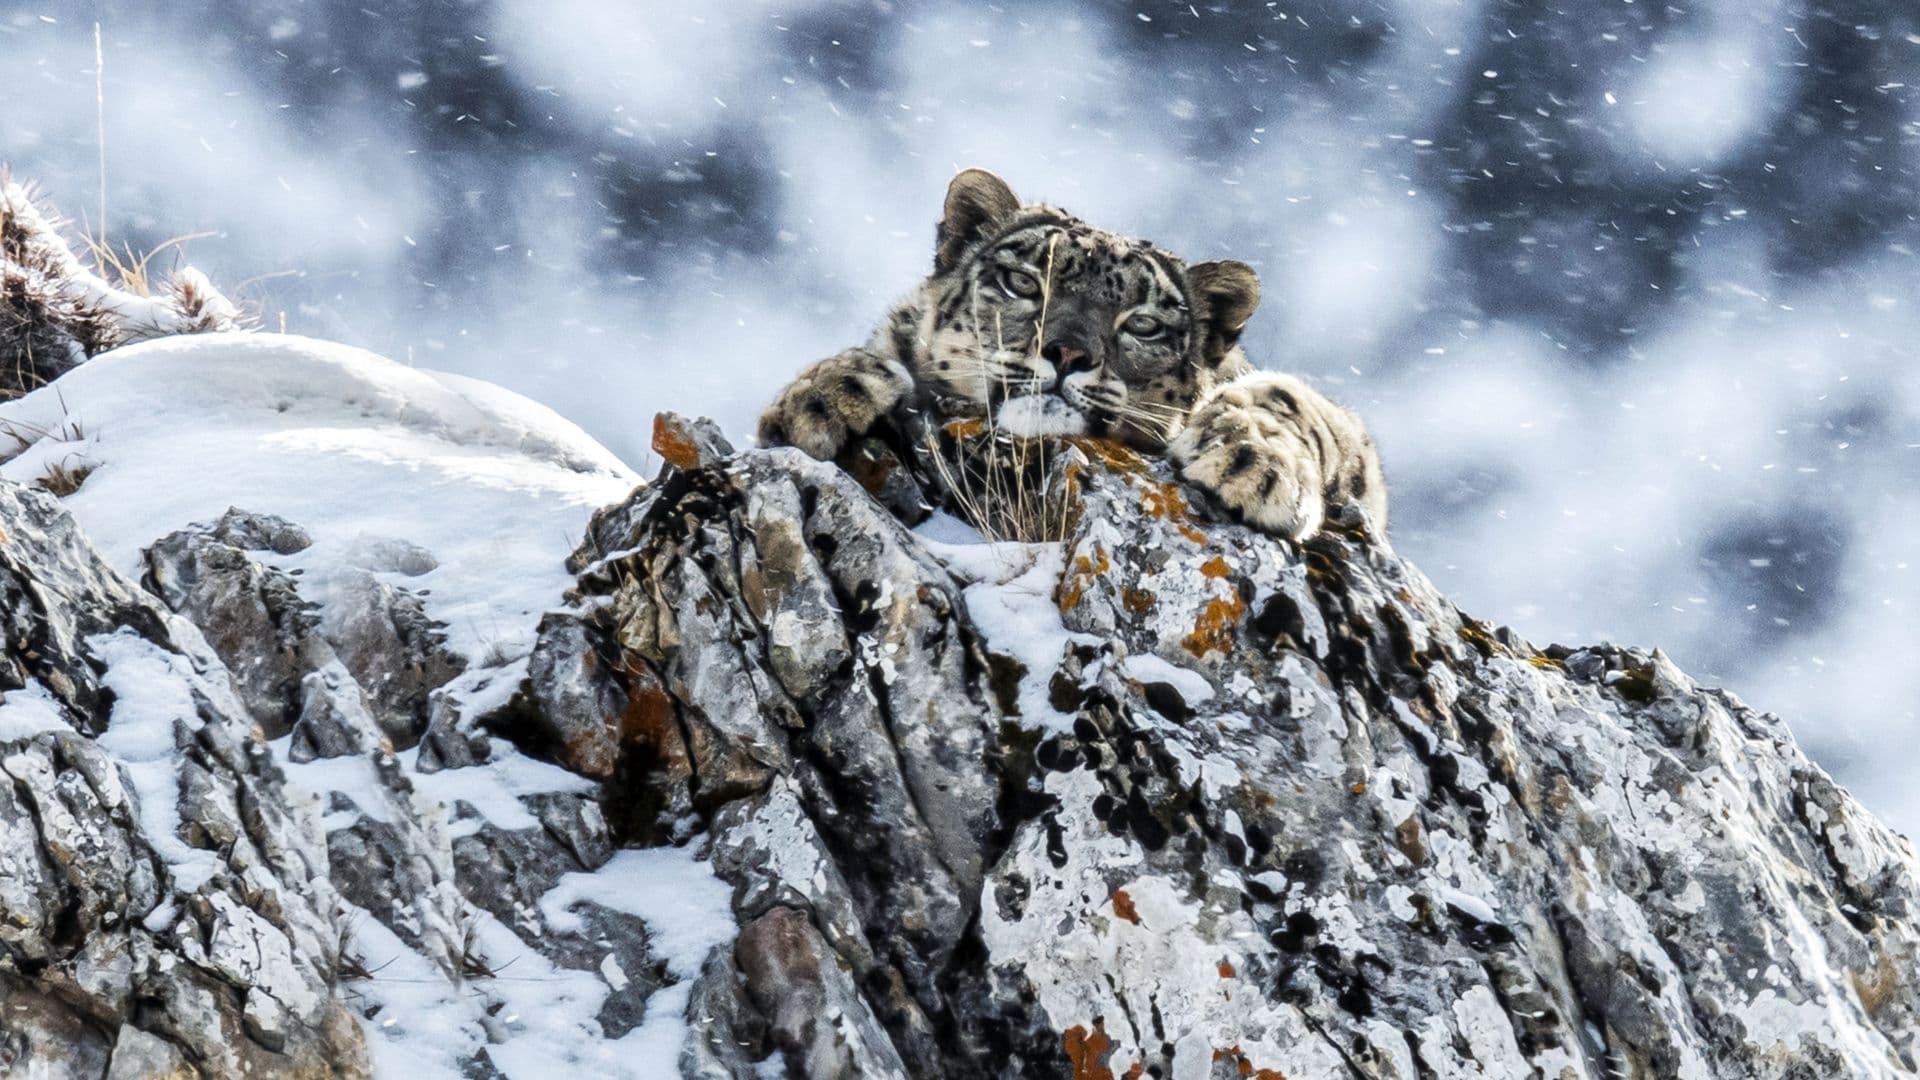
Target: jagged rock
{"x":426,"y":869}
{"x":252,"y":614}
{"x":1164,"y":796}
{"x":1174,"y":797}
{"x":395,"y":650}
{"x":576,"y":703}
{"x":818,"y":1020}
{"x":156,"y":877}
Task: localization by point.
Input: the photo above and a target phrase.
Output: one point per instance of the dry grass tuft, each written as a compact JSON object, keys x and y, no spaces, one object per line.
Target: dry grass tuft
{"x":62,"y":479}
{"x":56,"y":310}
{"x":1007,"y":488}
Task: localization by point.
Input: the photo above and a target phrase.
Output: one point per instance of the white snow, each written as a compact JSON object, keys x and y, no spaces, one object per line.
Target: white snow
{"x":686,"y":908}
{"x":28,"y":711}
{"x":532,"y":1016}
{"x":354,"y":448}
{"x":494,"y":789}
{"x":153,"y":694}
{"x":530,"y":1019}
{"x":1009,"y":591}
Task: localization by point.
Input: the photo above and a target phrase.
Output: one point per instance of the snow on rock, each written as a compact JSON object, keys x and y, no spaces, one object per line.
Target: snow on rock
{"x":346,"y":564}
{"x":163,"y":897}
{"x":370,"y":774}
{"x":1171,"y":797}
{"x":463,"y":493}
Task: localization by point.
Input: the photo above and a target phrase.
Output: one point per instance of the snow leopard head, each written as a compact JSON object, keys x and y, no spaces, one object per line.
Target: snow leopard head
{"x":1044,"y":325}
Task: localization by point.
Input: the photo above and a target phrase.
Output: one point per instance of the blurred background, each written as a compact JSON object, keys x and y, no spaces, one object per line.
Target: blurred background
{"x":1626,"y":289}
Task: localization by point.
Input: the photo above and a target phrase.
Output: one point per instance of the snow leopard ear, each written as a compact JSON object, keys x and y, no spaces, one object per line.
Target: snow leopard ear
{"x":975,"y":199}
{"x":1223,"y":295}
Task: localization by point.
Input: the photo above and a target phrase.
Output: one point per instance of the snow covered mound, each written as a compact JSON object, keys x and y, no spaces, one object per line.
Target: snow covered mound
{"x":468,"y":493}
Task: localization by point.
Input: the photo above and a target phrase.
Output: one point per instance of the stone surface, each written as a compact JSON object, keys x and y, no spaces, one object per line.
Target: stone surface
{"x":1171,"y":797}
{"x":1164,"y":797}
{"x":158,"y":882}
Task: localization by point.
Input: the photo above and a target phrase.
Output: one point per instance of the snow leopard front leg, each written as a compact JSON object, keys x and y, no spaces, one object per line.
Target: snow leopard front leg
{"x":1278,"y":453}
{"x":835,"y":402}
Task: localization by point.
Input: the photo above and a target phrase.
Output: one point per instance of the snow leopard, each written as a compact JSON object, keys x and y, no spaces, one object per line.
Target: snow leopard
{"x":1042,"y":325}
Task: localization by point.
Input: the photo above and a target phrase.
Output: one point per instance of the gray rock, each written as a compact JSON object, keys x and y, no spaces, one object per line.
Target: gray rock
{"x":1215,"y":801}
{"x":157,"y":878}
{"x":252,"y":614}
{"x":395,"y":650}
{"x":1167,"y":797}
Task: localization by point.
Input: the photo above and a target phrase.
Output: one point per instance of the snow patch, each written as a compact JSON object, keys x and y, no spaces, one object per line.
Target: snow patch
{"x":357,"y":449}
{"x":29,"y":711}
{"x":687,"y":910}
{"x":153,"y":695}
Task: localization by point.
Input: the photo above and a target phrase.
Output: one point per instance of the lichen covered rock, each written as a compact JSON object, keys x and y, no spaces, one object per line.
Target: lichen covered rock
{"x":1172,"y":797}
{"x":801,"y":780}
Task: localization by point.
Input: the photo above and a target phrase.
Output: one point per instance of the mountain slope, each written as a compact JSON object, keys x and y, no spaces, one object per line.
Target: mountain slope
{"x":346,"y":736}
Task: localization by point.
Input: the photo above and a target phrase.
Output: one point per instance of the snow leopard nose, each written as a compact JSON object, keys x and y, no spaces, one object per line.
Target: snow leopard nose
{"x":1066,"y":358}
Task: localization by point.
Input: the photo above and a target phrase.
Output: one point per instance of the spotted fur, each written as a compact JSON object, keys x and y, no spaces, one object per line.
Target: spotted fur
{"x":1042,"y":325}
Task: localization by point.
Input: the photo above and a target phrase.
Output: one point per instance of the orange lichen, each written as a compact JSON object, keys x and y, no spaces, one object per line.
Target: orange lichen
{"x":1114,"y":455}
{"x":1163,"y":501}
{"x":1073,"y":586}
{"x":1087,"y":1051}
{"x":1226,"y":970}
{"x":965,"y":429}
{"x":673,"y":444}
{"x":1215,"y":567}
{"x":1213,"y":630}
{"x":1123,"y":906}
{"x":1137,"y":600}
{"x":1244,"y":1066}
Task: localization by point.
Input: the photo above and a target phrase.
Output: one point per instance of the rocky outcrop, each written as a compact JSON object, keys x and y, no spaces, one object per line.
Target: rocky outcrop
{"x":804,"y":778}
{"x":790,"y":786}
{"x":1175,"y":798}
{"x":164,"y":903}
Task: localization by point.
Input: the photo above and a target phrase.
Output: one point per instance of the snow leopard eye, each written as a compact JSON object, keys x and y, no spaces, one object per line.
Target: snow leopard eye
{"x":1020,"y":283}
{"x":1143,"y":327}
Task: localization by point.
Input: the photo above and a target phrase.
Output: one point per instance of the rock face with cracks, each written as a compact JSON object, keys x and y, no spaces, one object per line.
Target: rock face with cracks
{"x":164,"y":903}
{"x":1166,"y":797}
{"x":1174,"y":798}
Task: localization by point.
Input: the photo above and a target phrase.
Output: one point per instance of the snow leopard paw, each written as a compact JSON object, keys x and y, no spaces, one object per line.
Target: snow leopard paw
{"x":1255,"y":467}
{"x":834,"y":402}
